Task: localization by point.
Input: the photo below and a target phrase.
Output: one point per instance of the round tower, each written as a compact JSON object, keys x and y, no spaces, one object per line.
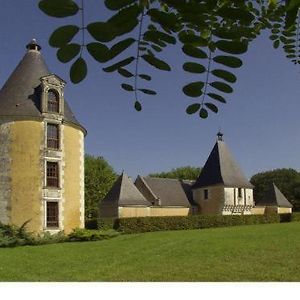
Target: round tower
{"x":41,"y":150}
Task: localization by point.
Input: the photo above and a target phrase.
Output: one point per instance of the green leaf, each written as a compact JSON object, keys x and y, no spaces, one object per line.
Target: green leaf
{"x":276,"y":44}
{"x":119,"y":64}
{"x":125,"y":73}
{"x":233,"y":13}
{"x":216,"y":97}
{"x":117,"y":4}
{"x":221,"y":86}
{"x":125,"y":27}
{"x":68,"y":52}
{"x":58,"y":8}
{"x":228,"y":76}
{"x":229,"y":61}
{"x":167,"y":20}
{"x":101,"y":31}
{"x":193,"y":108}
{"x":126,"y":15}
{"x":193,"y":67}
{"x":156,"y":48}
{"x":193,"y":89}
{"x":127,"y":87}
{"x":155,"y":62}
{"x":293,"y":4}
{"x":158,"y":36}
{"x":63,"y":35}
{"x":99,"y":52}
{"x":145,"y":77}
{"x":193,"y":51}
{"x":137,"y":106}
{"x":120,"y":47}
{"x":147,"y":91}
{"x":78,"y":70}
{"x":212,"y":107}
{"x":233,"y":47}
{"x":203,"y":113}
{"x":191,"y":39}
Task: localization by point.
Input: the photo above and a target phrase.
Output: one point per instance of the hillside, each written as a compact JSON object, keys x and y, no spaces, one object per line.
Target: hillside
{"x":246,"y":253}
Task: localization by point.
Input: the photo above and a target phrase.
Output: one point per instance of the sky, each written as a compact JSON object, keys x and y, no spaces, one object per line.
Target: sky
{"x":260,"y":121}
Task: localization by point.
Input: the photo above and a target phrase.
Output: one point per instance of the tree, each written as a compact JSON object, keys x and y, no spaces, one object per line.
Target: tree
{"x":287,"y":180}
{"x":212,"y":33}
{"x":187,"y":172}
{"x":99,"y":178}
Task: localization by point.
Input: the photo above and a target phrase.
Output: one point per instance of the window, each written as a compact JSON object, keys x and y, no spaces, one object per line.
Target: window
{"x":53,"y":136}
{"x":52,"y":214}
{"x":205,"y":194}
{"x":52,"y":174}
{"x":239,"y":193}
{"x":53,"y":101}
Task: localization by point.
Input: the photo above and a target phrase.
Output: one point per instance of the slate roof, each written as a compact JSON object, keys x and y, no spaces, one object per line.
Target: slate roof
{"x":20,"y":95}
{"x":170,"y":192}
{"x":125,"y":193}
{"x":220,"y":168}
{"x":274,"y":197}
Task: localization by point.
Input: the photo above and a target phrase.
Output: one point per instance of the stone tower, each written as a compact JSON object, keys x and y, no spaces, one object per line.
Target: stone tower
{"x":222,"y":188}
{"x":41,"y":150}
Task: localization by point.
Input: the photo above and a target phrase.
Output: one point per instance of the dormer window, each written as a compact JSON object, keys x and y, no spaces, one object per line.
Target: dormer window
{"x":53,"y":101}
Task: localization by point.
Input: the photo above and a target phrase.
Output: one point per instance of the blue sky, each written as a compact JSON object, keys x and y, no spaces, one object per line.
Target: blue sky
{"x":260,"y":121}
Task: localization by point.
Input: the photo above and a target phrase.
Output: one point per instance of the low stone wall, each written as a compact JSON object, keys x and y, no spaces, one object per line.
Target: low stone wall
{"x":131,"y":212}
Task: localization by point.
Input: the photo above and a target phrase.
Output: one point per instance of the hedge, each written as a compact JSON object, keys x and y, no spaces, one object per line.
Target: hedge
{"x":295,"y":217}
{"x":146,"y":224}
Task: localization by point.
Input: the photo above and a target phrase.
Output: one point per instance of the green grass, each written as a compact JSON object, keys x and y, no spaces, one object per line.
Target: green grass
{"x":245,"y":253}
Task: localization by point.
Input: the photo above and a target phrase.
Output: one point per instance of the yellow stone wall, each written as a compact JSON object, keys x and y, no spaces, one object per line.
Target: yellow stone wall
{"x":130,"y":212}
{"x":26,"y":174}
{"x":169,"y":211}
{"x":284,"y":210}
{"x":258,"y":210}
{"x":215,"y":202}
{"x":72,"y":179}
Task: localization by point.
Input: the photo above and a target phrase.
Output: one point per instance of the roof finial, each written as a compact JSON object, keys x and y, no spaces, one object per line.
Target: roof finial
{"x":220,"y":135}
{"x":33,"y":45}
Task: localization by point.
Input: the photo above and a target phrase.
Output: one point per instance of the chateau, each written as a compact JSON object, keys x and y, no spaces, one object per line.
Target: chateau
{"x":42,"y":165}
{"x":221,"y":188}
{"x":41,"y":150}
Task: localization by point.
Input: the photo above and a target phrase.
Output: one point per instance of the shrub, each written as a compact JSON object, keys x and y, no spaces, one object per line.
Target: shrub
{"x":284,"y":218}
{"x":295,"y":217}
{"x":80,"y":235}
{"x":106,"y":223}
{"x":91,"y":224}
{"x":11,"y":236}
{"x":144,"y":224}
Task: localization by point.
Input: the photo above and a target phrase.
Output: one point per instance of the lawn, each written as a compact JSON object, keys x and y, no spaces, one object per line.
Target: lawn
{"x":245,"y":253}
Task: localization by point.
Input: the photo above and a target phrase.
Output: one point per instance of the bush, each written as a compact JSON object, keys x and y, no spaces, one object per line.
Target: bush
{"x":106,"y":223}
{"x":284,"y":218}
{"x":80,"y":235}
{"x":145,"y":224}
{"x":295,"y":217}
{"x":11,"y":236}
{"x":91,"y":224}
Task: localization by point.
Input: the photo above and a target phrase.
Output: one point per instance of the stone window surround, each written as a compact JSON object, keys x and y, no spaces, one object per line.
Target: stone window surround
{"x":55,"y":122}
{"x":52,"y":82}
{"x":58,"y":161}
{"x":60,"y":216}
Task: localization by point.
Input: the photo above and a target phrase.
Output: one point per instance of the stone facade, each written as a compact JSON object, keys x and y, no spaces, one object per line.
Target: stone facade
{"x":25,"y":152}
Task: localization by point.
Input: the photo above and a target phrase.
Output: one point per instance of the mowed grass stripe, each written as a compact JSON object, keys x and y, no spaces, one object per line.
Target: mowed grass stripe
{"x":268,"y":252}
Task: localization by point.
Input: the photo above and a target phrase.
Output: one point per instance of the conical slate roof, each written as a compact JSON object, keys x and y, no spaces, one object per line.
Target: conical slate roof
{"x":20,"y":96}
{"x":220,"y":168}
{"x":125,"y":193}
{"x":274,"y":197}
